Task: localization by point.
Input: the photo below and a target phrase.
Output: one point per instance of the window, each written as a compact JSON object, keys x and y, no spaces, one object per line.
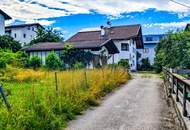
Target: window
{"x":28,"y":28}
{"x":15,"y":35}
{"x":146,"y":50}
{"x":149,"y":39}
{"x":24,"y":35}
{"x":124,"y":46}
{"x":33,"y":29}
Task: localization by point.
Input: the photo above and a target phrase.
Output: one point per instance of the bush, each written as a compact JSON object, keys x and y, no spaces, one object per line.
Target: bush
{"x":2,"y":63}
{"x":78,"y":65}
{"x":53,"y":62}
{"x":145,"y":65}
{"x":34,"y":62}
{"x":124,"y":63}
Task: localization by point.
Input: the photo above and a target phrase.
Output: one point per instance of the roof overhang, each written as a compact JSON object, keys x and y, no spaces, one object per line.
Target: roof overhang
{"x":6,"y":16}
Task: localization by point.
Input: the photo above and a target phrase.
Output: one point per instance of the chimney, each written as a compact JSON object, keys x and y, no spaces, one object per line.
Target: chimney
{"x":103,"y":32}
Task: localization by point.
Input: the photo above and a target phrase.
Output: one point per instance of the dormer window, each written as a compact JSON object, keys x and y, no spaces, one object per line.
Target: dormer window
{"x":24,"y":35}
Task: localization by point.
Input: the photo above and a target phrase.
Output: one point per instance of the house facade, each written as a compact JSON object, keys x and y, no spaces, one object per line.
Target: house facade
{"x":3,"y":17}
{"x":127,"y":39}
{"x":150,"y":43}
{"x":23,"y":33}
{"x":99,"y":52}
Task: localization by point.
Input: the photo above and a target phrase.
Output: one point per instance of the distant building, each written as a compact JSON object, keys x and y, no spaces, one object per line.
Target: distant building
{"x":3,"y":17}
{"x":23,"y":33}
{"x":150,"y":43}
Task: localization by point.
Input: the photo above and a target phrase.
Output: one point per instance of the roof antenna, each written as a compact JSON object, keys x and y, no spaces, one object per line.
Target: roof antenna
{"x":109,"y":24}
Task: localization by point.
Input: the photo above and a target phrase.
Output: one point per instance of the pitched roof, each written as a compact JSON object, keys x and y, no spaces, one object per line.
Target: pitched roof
{"x":46,"y":46}
{"x":6,"y":16}
{"x":50,"y":46}
{"x":24,"y":25}
{"x":114,"y":33}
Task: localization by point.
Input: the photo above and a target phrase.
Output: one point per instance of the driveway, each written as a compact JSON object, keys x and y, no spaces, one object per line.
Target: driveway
{"x":138,"y":105}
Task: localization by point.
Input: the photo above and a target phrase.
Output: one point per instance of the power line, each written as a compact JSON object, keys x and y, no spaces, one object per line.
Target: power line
{"x":179,"y":3}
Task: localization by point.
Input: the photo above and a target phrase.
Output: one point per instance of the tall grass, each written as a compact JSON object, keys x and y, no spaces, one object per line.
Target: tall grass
{"x":35,"y":105}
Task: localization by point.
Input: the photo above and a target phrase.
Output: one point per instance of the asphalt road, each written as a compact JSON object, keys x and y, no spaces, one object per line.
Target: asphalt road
{"x":136,"y":106}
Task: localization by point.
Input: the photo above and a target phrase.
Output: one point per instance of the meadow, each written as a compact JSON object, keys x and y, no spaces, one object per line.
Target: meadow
{"x":35,"y":104}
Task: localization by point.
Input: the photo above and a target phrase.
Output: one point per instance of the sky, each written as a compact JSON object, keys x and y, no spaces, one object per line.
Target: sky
{"x":71,"y":16}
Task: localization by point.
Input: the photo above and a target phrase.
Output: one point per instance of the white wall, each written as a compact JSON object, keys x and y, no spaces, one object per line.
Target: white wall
{"x":20,"y":31}
{"x":131,"y":55}
{"x":148,"y":52}
{"x":2,"y":25}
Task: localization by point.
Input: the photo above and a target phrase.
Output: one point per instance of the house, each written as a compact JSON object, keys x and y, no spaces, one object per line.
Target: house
{"x":3,"y":17}
{"x":150,"y":43}
{"x":98,"y":50}
{"x":23,"y":33}
{"x":127,"y":39}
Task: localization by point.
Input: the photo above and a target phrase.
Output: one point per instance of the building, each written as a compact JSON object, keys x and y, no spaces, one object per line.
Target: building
{"x":99,"y":50}
{"x":187,"y":28}
{"x":23,"y":33}
{"x":150,"y":43}
{"x":3,"y":17}
{"x":127,"y":39}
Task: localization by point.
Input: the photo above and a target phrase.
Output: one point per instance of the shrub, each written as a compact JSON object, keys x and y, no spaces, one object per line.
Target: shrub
{"x":145,"y":65}
{"x":34,"y":62}
{"x":124,"y":63}
{"x":53,"y":62}
{"x":2,"y":63}
{"x":78,"y":65}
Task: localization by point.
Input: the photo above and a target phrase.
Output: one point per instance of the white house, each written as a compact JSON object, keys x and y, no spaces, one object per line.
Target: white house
{"x":3,"y":17}
{"x":127,"y":39}
{"x":23,"y":33}
{"x":150,"y":43}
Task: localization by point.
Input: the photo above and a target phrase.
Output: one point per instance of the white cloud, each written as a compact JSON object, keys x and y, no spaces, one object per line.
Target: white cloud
{"x":168,"y":25}
{"x":42,"y":22}
{"x":41,"y":9}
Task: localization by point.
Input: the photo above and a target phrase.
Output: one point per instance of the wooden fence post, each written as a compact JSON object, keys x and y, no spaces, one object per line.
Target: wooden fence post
{"x":173,"y":82}
{"x":56,"y":82}
{"x":184,"y":100}
{"x":177,"y":91}
{"x":4,"y":98}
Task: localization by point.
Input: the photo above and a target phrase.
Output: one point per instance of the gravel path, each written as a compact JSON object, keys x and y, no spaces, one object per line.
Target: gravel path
{"x":136,"y":106}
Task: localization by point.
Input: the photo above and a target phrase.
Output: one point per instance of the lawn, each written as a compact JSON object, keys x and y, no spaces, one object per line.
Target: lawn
{"x":33,"y":99}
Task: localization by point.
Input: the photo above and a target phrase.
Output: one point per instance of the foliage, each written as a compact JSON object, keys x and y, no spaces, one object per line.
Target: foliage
{"x":145,"y":65}
{"x":78,"y":65}
{"x":53,"y":62}
{"x":18,"y":59}
{"x":47,"y":35}
{"x":70,"y":56}
{"x":34,"y":104}
{"x":124,"y":63}
{"x":173,"y":51}
{"x":7,"y":42}
{"x":34,"y":62}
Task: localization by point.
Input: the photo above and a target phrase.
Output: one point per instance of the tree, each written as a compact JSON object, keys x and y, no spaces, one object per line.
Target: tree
{"x":34,"y":62}
{"x":47,"y":35}
{"x":70,"y":56}
{"x":53,"y":62}
{"x":7,"y":42}
{"x":173,"y":51}
{"x":124,"y":63}
{"x":145,"y":64}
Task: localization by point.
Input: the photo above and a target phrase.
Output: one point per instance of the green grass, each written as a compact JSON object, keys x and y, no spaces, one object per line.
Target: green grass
{"x":33,"y":100}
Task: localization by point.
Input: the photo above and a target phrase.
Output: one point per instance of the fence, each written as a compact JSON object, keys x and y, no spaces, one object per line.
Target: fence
{"x":179,"y":86}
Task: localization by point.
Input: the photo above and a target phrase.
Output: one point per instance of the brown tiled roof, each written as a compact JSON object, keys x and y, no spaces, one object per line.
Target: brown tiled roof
{"x":50,"y":46}
{"x":47,"y":46}
{"x":7,"y":17}
{"x":115,"y":33}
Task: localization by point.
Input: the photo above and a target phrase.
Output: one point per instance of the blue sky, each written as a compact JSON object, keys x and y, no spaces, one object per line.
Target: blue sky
{"x":71,"y":16}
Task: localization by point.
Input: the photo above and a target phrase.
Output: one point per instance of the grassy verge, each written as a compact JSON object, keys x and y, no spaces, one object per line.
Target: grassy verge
{"x":35,"y":106}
